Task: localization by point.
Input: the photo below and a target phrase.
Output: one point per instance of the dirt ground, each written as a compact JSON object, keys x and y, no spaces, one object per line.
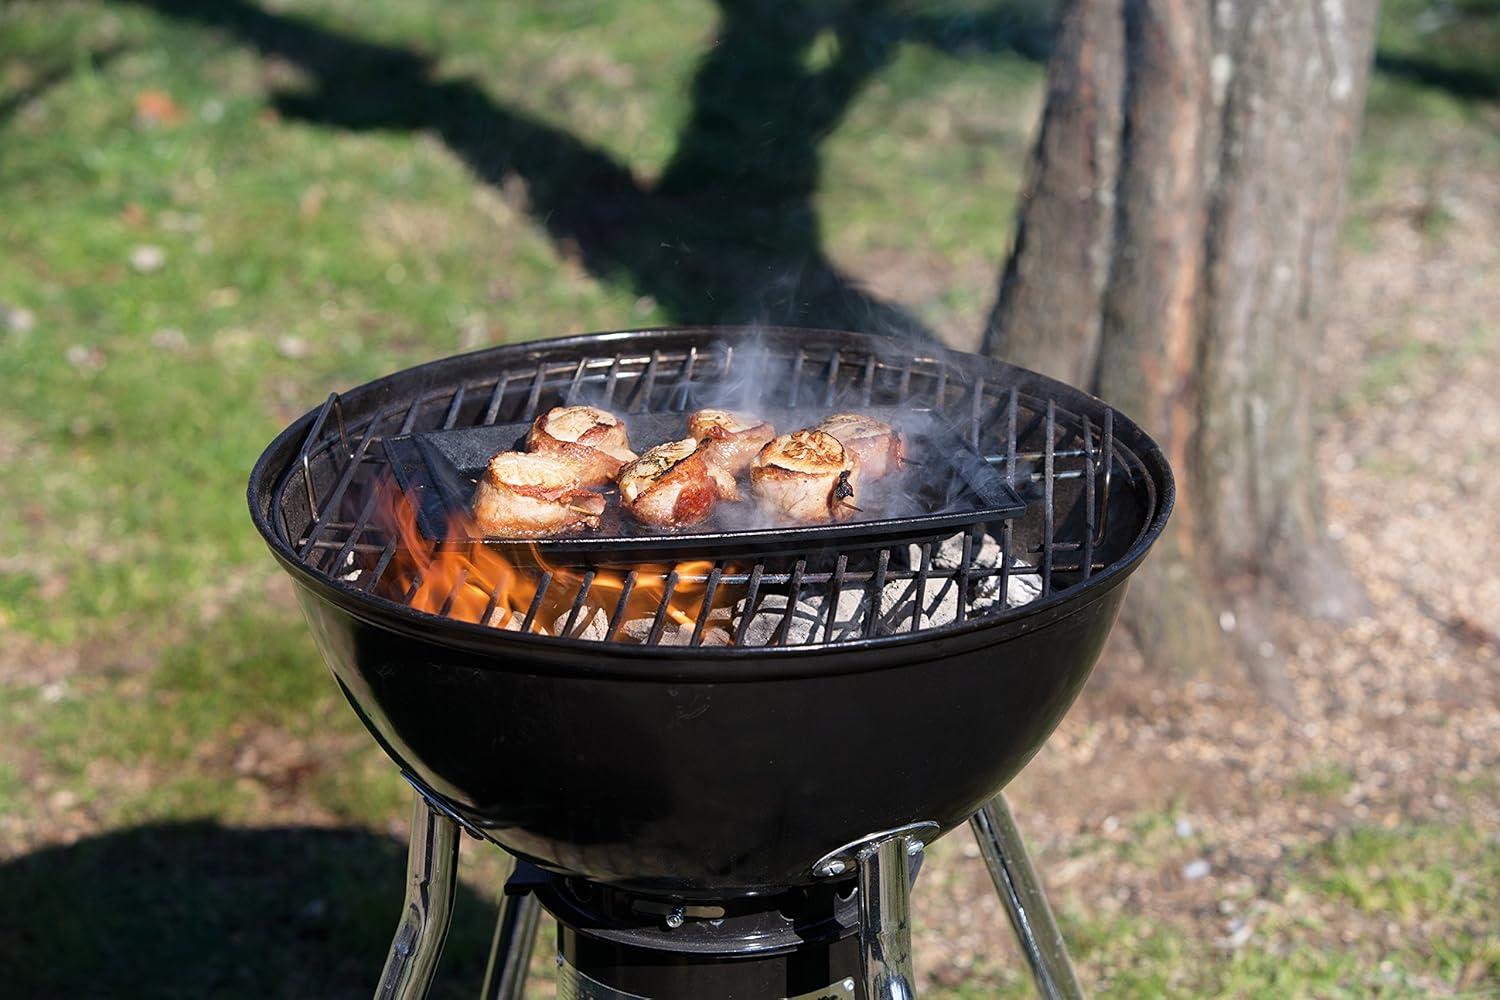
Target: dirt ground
{"x":1394,"y":720}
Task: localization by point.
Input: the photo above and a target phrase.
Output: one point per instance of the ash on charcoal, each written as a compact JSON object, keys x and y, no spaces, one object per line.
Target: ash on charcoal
{"x":592,"y":624}
{"x":1021,"y":586}
{"x":675,"y":634}
{"x":808,"y":621}
{"x":769,"y":621}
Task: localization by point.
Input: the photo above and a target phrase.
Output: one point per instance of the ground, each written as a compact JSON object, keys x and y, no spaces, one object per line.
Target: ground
{"x":208,"y":220}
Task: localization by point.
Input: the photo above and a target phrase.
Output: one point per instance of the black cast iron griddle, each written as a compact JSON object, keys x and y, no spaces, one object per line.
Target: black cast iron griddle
{"x":947,"y":484}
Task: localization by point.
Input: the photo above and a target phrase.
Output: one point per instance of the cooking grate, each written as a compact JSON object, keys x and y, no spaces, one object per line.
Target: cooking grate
{"x":1060,"y":454}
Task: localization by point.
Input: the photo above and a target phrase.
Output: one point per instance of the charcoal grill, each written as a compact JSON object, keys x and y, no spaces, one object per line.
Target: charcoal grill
{"x":718,"y":774}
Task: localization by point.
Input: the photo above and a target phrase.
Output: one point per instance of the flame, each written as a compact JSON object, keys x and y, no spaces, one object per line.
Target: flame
{"x":497,"y":586}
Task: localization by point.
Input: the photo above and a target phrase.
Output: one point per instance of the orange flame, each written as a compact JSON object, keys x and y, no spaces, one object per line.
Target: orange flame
{"x":497,"y":586}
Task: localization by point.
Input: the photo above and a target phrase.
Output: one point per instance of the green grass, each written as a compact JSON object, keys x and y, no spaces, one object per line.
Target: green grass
{"x":317,"y":225}
{"x":1439,"y":885}
{"x":1325,"y":781}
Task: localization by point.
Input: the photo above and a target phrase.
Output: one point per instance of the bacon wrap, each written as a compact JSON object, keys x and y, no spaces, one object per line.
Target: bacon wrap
{"x":807,"y":476}
{"x":728,"y":440}
{"x":877,"y":444}
{"x":525,"y":495}
{"x":589,"y":438}
{"x":670,"y":486}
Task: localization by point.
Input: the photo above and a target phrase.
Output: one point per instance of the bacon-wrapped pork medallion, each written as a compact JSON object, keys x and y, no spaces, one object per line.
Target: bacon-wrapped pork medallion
{"x":528,"y":494}
{"x":877,"y":444}
{"x":729,"y":440}
{"x":670,"y":486}
{"x":807,"y":476}
{"x":591,"y":439}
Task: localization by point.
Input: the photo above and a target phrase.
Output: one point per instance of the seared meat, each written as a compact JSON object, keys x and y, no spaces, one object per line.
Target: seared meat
{"x":807,"y":476}
{"x":591,"y":439}
{"x":729,"y":440}
{"x":528,"y":494}
{"x":878,"y":445}
{"x":670,"y":486}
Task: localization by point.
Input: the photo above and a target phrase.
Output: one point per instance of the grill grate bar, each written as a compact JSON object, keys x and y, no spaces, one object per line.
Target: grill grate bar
{"x":640,"y":400}
{"x":488,"y":615}
{"x":308,"y":445}
{"x":578,"y":602}
{"x":576,"y":384}
{"x":345,"y":479}
{"x":1107,"y":454}
{"x":709,"y":592}
{"x":1090,"y":515}
{"x":835,"y":593}
{"x":919,"y":586}
{"x":497,"y":396}
{"x":877,"y":588}
{"x":659,"y":622}
{"x":612,"y":381}
{"x":783,"y":631}
{"x":965,"y":573}
{"x":1049,"y":515}
{"x":352,"y":542}
{"x":536,"y":601}
{"x":751,"y":594}
{"x":619,"y":616}
{"x":451,"y":417}
{"x":797,"y":376}
{"x":458,"y":585}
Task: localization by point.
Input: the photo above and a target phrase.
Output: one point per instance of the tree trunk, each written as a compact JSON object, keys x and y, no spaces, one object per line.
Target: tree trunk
{"x":1174,"y":252}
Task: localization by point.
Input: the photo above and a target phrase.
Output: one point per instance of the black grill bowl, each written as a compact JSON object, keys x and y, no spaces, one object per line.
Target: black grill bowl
{"x":706,"y":772}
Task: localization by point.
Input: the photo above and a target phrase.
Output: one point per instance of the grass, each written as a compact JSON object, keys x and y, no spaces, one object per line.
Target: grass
{"x":210,"y":215}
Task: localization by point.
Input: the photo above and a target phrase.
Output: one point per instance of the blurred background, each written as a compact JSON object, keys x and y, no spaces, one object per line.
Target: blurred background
{"x":214,"y":213}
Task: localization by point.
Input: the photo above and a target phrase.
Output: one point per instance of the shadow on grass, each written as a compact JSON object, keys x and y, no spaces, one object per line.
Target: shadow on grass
{"x":199,"y":910}
{"x":729,"y":234}
{"x":1463,"y":82}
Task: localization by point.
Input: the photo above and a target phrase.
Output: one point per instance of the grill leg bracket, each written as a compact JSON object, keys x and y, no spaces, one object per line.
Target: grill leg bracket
{"x":431,"y":878}
{"x":885,"y":917}
{"x":1025,"y":903}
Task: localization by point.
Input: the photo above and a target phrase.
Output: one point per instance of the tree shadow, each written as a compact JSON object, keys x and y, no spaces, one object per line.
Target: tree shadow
{"x":198,"y":910}
{"x":1464,"y":82}
{"x":730,"y":233}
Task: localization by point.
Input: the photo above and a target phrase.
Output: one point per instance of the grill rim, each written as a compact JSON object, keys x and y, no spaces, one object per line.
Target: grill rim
{"x":581,"y":656}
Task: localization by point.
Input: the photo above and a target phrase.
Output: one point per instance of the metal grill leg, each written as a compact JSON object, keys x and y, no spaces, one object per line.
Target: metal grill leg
{"x":885,"y":920}
{"x":510,"y":954}
{"x":1025,"y":903}
{"x":431,"y":877}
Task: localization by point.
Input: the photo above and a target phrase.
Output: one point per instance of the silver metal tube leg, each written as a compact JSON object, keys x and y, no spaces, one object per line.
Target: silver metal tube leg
{"x":510,"y":953}
{"x":1025,"y":903}
{"x":885,"y":920}
{"x":431,"y":877}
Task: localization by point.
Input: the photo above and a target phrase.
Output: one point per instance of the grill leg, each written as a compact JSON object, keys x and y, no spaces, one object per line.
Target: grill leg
{"x":885,"y":919}
{"x":431,"y":877}
{"x":1025,"y":903}
{"x":510,"y":954}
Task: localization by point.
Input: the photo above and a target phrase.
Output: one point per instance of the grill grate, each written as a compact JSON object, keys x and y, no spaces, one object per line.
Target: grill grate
{"x":1061,"y":461}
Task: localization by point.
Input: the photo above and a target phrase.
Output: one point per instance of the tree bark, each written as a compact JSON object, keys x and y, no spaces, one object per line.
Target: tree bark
{"x":1219,"y":137}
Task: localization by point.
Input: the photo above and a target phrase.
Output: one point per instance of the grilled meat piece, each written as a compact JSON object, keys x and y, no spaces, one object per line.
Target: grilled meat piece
{"x":670,"y":486}
{"x":593,"y":440}
{"x":807,"y":476}
{"x":729,"y":440}
{"x":877,"y":444}
{"x":528,"y":494}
